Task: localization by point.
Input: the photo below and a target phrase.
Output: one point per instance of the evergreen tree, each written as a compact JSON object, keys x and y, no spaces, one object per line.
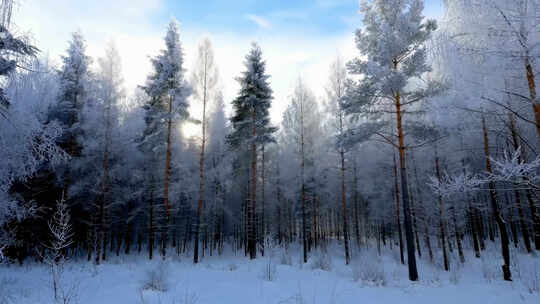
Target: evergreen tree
{"x":167,"y":105}
{"x":12,"y":49}
{"x":251,"y":125}
{"x":393,"y":43}
{"x":74,"y":78}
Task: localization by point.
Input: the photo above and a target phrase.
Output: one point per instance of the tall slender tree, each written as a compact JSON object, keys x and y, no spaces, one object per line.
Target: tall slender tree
{"x":393,"y":43}
{"x":74,"y":78}
{"x":101,"y":149}
{"x":166,"y":107}
{"x":301,"y":128}
{"x":204,"y":81}
{"x":335,"y":91}
{"x":251,"y":125}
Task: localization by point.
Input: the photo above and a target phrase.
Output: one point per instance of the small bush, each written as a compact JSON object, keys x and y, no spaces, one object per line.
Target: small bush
{"x":157,"y":278}
{"x":490,"y":270}
{"x":396,"y":255}
{"x":232,"y":267}
{"x":368,"y":268}
{"x":321,"y":260}
{"x":285,"y":258}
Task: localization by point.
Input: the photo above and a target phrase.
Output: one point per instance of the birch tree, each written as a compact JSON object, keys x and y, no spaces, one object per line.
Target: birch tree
{"x":204,"y":80}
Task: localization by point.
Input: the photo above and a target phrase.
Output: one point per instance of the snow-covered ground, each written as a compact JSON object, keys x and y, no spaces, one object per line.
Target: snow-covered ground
{"x":235,"y":279}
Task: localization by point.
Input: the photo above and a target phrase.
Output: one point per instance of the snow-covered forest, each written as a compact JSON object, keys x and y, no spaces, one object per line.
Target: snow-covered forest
{"x":414,"y":178}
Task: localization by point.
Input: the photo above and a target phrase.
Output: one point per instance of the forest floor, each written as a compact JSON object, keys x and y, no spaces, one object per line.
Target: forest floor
{"x":277,"y":278}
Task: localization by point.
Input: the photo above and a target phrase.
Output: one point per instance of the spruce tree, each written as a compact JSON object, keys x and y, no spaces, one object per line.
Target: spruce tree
{"x":167,"y":105}
{"x":251,"y":126}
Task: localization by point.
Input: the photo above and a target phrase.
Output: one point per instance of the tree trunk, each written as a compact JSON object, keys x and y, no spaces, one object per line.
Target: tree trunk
{"x":495,"y":209}
{"x":151,"y":226}
{"x":303,"y":195}
{"x":415,"y":227}
{"x":344,"y":208}
{"x":200,"y":203}
{"x":532,"y":91}
{"x":441,"y":216}
{"x":356,"y":208}
{"x":263,"y":222}
{"x":168,"y":159}
{"x":411,"y":258}
{"x":517,"y":145}
{"x":251,"y":211}
{"x":457,"y":235}
{"x":398,"y":221}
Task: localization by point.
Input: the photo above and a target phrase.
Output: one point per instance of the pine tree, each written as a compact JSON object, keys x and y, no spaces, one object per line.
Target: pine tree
{"x":393,"y":42}
{"x":251,"y":125}
{"x":167,"y":105}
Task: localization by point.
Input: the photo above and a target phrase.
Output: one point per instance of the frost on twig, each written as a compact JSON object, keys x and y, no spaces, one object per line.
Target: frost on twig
{"x":55,"y":252}
{"x":512,"y":168}
{"x":509,"y":168}
{"x":450,"y":185}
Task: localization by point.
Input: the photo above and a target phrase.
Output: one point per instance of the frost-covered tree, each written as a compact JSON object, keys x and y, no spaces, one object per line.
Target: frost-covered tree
{"x":74,"y":78}
{"x":12,"y":51}
{"x":204,"y":80}
{"x":101,"y":148}
{"x":28,"y":144}
{"x":301,"y":130}
{"x":218,"y":170}
{"x":392,"y":44}
{"x":505,"y":30}
{"x":55,"y":256}
{"x":251,"y":125}
{"x":338,"y":123}
{"x":167,"y":106}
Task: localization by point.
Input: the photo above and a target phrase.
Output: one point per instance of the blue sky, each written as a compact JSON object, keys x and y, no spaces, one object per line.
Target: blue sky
{"x":299,"y":38}
{"x":313,"y":16}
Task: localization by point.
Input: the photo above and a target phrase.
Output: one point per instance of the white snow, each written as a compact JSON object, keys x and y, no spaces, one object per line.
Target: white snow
{"x":235,"y":279}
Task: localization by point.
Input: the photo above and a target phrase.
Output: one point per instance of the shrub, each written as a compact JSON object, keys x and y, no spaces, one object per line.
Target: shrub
{"x":321,"y":260}
{"x":490,"y":270}
{"x":368,"y":268}
{"x":285,"y":258}
{"x":156,"y":278}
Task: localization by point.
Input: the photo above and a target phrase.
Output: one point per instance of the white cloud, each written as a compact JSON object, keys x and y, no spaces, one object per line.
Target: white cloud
{"x":260,"y":21}
{"x":288,"y":55}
